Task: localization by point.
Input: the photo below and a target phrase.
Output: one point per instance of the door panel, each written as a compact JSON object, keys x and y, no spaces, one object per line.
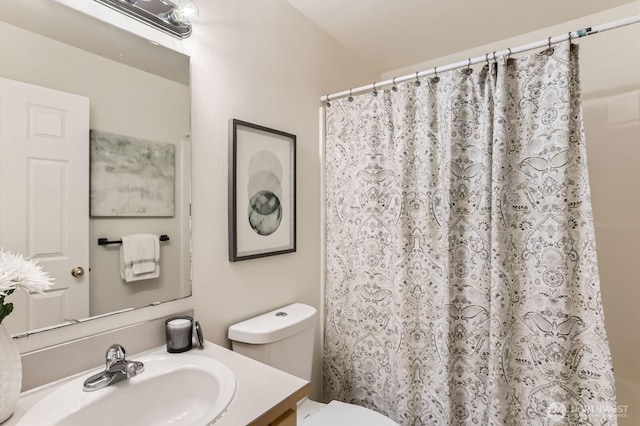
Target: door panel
{"x":44,"y":178}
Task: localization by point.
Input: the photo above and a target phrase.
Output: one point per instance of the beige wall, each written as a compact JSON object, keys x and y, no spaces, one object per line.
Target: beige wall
{"x":262,"y":62}
{"x":127,"y":101}
{"x":612,"y":126}
{"x":610,"y":74}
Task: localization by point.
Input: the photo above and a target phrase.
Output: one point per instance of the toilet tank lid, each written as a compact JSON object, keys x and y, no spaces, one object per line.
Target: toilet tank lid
{"x":275,"y":325}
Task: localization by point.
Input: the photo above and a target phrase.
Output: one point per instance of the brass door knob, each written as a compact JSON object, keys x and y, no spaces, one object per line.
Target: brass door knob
{"x":77,"y":272}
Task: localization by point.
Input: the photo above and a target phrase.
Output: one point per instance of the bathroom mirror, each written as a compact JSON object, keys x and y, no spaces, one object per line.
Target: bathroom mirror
{"x":137,"y":91}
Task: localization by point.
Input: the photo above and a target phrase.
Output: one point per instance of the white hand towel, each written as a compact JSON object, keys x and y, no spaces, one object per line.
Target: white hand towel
{"x":140,"y":257}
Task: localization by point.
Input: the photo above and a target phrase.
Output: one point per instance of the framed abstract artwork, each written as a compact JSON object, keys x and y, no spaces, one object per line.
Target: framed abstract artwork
{"x":131,"y":176}
{"x":262,"y":191}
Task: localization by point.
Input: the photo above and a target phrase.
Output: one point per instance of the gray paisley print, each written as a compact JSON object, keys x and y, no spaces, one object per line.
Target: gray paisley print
{"x":462,"y":285}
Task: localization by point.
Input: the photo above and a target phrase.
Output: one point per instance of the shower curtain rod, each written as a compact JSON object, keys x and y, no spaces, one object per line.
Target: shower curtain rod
{"x":489,"y":56}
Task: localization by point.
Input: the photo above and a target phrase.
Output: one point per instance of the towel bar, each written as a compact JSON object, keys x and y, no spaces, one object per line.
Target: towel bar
{"x":105,"y":241}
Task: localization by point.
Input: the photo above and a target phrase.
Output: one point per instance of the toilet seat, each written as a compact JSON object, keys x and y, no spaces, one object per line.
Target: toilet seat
{"x":338,"y":413}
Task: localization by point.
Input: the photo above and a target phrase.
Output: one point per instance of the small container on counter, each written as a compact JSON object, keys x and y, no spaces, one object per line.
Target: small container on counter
{"x":179,"y":334}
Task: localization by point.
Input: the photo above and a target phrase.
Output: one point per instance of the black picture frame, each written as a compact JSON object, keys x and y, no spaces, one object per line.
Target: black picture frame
{"x":262,"y":191}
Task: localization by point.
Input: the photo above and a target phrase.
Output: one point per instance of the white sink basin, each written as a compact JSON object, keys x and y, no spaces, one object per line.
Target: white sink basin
{"x":173,"y":389}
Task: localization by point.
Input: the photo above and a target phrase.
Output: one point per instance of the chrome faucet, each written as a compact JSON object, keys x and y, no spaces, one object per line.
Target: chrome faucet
{"x":117,"y":369}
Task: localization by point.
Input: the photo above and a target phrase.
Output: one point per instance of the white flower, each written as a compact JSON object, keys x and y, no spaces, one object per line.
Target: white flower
{"x":17,"y":272}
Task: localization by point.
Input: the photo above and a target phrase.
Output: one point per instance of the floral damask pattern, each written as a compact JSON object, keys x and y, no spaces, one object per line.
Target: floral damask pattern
{"x":462,"y":285}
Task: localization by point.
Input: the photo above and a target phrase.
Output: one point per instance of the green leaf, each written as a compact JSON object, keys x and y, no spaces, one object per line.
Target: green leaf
{"x":5,"y":309}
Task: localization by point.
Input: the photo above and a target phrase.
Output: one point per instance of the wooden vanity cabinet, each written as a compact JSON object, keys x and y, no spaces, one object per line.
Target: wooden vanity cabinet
{"x":284,"y":413}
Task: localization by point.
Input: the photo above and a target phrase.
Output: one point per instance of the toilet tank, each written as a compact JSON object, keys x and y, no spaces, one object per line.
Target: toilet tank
{"x":282,"y":338}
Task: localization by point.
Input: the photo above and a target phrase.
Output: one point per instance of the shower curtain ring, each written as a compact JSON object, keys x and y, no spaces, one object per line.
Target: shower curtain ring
{"x":549,"y":50}
{"x":570,"y":38}
{"x":468,"y":70}
{"x":494,"y":56}
{"x":375,"y":92}
{"x":417,"y":82}
{"x":350,"y":98}
{"x":509,"y":55}
{"x":394,"y":88}
{"x":436,"y":78}
{"x":327,"y":104}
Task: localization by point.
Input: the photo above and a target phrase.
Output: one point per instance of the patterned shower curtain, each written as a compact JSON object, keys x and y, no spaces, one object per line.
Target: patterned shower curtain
{"x":462,"y":285}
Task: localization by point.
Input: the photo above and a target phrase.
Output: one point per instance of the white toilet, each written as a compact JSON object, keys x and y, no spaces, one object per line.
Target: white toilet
{"x":284,"y":339}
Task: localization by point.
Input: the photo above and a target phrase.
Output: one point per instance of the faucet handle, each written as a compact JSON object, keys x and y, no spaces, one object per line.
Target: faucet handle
{"x":114,"y":354}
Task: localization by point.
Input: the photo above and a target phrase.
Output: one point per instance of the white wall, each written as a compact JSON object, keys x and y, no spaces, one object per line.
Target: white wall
{"x":610,"y":74}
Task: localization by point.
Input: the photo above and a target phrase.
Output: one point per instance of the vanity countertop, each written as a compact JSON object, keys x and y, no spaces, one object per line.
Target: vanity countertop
{"x":259,"y":387}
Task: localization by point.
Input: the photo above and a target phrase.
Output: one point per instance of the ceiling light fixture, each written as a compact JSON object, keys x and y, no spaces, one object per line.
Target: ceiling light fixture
{"x":172,"y":17}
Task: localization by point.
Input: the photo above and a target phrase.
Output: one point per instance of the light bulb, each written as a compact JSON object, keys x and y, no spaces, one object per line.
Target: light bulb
{"x":184,"y":13}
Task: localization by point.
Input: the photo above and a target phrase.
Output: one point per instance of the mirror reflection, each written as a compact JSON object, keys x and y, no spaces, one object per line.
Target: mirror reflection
{"x":94,"y":137}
